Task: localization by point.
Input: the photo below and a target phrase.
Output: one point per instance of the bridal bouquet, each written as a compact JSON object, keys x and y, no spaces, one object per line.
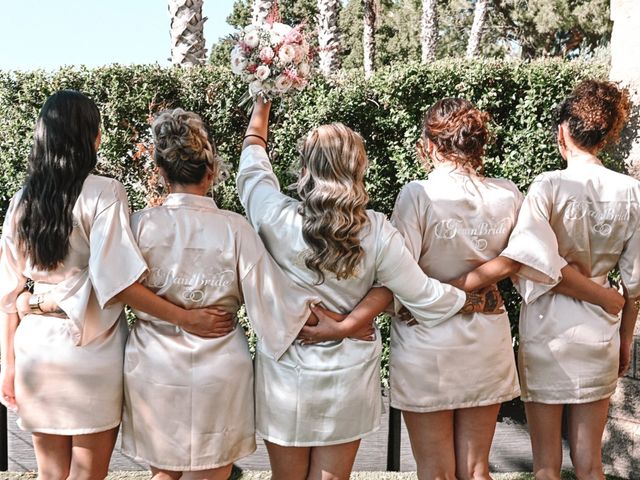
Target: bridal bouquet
{"x":273,"y":58}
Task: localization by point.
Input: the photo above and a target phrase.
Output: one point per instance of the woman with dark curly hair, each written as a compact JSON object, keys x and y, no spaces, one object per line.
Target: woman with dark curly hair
{"x":571,"y":352}
{"x":453,"y":222}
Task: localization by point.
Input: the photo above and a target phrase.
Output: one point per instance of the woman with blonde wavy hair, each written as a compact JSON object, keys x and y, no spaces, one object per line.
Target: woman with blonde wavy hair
{"x":315,"y":403}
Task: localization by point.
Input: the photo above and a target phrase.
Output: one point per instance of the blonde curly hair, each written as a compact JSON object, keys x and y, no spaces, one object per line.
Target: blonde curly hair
{"x":334,"y":200}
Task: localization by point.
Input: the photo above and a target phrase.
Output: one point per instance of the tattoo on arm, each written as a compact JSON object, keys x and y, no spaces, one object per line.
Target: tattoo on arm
{"x":473,"y":303}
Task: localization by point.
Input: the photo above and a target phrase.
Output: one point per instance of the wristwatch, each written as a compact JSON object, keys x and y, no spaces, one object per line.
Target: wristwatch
{"x":34,"y":303}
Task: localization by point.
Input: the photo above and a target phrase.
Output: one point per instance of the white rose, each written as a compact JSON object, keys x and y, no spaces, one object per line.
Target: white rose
{"x":283,"y":83}
{"x":281,"y":28}
{"x":262,"y":72}
{"x":238,"y":63}
{"x":266,"y":54}
{"x":252,"y":39}
{"x":249,"y":28}
{"x":287,"y":53}
{"x":255,"y":87}
{"x":304,"y":69}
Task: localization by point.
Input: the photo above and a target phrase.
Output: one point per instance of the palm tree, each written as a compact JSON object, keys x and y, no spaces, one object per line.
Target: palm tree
{"x":369,"y":37}
{"x":261,"y":10}
{"x":187,"y":34}
{"x":328,"y":36}
{"x":479,"y":19}
{"x":429,"y":33}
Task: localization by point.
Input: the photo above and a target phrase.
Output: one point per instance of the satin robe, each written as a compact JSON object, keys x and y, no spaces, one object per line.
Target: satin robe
{"x":589,"y":217}
{"x":329,"y":393}
{"x":189,"y":400}
{"x":454,"y":222}
{"x":68,"y":371}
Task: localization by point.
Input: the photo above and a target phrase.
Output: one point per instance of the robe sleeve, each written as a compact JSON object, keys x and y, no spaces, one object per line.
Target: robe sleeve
{"x":533,"y":243}
{"x":629,"y":263}
{"x":428,"y":300}
{"x":258,"y":187}
{"x":406,"y":218}
{"x":115,"y":262}
{"x":276,"y":306}
{"x":12,"y":262}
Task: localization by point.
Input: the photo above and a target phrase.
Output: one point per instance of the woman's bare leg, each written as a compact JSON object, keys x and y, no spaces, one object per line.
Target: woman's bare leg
{"x":586,"y":426}
{"x":333,"y":462}
{"x":432,"y":443}
{"x":90,"y":455}
{"x":288,"y":463}
{"x":474,"y":429}
{"x":53,"y":455}
{"x":545,"y":429}
{"x":160,"y":474}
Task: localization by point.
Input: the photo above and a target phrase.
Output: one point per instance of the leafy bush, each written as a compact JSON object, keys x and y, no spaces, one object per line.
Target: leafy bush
{"x":387,"y":111}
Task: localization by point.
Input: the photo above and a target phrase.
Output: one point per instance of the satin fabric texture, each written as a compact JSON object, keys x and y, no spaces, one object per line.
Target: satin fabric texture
{"x":452,"y":223}
{"x":586,"y":216}
{"x":329,"y":393}
{"x":68,"y":371}
{"x":189,"y":402}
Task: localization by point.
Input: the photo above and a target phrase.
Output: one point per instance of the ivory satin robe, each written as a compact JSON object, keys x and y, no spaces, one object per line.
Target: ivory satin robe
{"x":189,"y":400}
{"x":454,"y":222}
{"x":329,"y":393}
{"x":68,"y":371}
{"x":587,"y":216}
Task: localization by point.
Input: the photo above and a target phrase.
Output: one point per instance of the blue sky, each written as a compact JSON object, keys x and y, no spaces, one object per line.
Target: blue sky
{"x":51,"y":33}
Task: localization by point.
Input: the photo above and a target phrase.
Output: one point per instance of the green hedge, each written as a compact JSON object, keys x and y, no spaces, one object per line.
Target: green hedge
{"x":386,"y":110}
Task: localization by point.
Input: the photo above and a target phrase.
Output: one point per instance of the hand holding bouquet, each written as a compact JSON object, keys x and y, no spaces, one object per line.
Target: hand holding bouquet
{"x":272,"y":58}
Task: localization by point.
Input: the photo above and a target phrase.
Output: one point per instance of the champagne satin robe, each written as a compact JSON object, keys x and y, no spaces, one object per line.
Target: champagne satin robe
{"x":329,"y":393}
{"x":189,"y":400}
{"x":68,"y":371}
{"x":589,"y":217}
{"x":454,"y":222}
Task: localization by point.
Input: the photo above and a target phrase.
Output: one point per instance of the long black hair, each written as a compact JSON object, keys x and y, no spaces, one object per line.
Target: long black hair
{"x":62,"y":156}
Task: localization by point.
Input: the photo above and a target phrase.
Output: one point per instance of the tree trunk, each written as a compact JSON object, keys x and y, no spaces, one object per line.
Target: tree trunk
{"x":187,"y":34}
{"x":260,"y":11}
{"x":479,"y":19}
{"x":328,"y":36}
{"x":429,"y":33}
{"x":369,"y":37}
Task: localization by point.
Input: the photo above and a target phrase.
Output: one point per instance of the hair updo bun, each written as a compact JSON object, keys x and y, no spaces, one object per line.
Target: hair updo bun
{"x":182,"y":147}
{"x":595,"y":113}
{"x":458,"y":130}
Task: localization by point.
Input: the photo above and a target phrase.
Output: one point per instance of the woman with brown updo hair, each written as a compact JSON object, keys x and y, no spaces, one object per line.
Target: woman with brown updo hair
{"x":450,"y":379}
{"x":453,"y":223}
{"x":315,"y":403}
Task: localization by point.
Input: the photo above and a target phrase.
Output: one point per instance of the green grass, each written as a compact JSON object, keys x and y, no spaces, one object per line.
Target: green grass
{"x":267,"y":476}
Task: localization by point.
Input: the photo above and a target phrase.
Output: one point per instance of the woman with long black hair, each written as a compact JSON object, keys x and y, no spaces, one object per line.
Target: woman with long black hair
{"x":68,"y":231}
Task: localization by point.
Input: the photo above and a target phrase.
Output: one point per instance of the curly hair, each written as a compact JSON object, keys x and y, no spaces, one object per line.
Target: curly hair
{"x":458,"y":130}
{"x":182,"y":147}
{"x":63,"y":154}
{"x":334,"y":200}
{"x":595,"y":113}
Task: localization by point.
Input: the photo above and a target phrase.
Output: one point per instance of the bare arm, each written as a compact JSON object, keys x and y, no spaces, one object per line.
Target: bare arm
{"x":576,"y":285}
{"x":357,"y":324}
{"x":9,"y":325}
{"x":258,"y":128}
{"x":487,"y":274}
{"x":627,"y":326}
{"x":205,"y":322}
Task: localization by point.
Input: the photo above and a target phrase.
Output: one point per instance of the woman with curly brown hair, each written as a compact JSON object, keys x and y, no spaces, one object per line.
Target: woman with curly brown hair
{"x":453,"y":222}
{"x":571,"y":352}
{"x":315,"y":403}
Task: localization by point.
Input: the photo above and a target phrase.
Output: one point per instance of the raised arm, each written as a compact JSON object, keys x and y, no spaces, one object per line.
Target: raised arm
{"x":258,"y":129}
